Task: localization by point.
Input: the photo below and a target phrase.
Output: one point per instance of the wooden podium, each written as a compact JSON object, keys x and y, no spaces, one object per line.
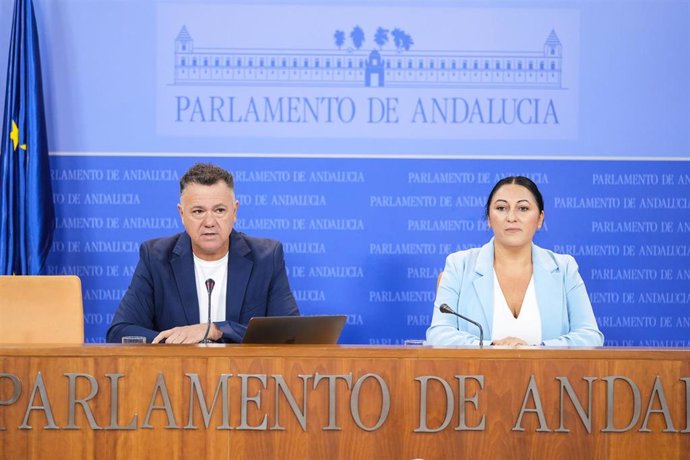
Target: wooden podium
{"x":342,"y":402}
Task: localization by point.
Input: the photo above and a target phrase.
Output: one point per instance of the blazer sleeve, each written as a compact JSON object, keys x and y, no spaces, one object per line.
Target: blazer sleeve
{"x":446,"y":330}
{"x":135,"y":313}
{"x":281,"y":302}
{"x":581,"y":329}
{"x":232,"y":332}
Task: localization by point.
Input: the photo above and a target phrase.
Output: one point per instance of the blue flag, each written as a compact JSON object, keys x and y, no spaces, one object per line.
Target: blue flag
{"x":27,"y":217}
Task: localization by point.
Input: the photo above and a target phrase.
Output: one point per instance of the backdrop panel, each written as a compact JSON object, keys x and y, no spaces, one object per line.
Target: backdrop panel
{"x":366,"y":137}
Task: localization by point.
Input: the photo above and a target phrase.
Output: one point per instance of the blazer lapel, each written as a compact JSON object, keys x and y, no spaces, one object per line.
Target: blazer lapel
{"x":548,"y":284}
{"x":182,"y":262}
{"x":239,"y":269}
{"x":484,"y":283}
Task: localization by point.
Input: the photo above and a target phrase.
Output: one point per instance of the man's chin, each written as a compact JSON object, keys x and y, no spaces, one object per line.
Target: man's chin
{"x":206,"y":249}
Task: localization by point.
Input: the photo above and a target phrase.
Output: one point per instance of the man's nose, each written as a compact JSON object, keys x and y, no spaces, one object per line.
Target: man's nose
{"x":209,"y":221}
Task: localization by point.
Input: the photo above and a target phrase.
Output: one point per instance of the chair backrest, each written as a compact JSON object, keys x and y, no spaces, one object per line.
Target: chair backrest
{"x":41,"y":309}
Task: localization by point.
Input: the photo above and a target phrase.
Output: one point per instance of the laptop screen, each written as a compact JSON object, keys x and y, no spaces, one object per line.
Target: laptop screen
{"x":319,"y":329}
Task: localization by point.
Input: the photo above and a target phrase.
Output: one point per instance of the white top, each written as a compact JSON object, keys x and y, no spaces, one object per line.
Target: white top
{"x":217,"y":270}
{"x":526,"y":326}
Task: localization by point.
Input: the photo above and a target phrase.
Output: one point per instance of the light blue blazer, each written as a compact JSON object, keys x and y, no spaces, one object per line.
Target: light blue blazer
{"x":467,"y":287}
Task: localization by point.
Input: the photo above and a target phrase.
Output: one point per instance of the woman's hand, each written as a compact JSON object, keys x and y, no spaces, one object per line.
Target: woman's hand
{"x":510,"y":342}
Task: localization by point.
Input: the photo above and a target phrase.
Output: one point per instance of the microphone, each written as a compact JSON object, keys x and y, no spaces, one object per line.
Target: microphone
{"x":446,"y":309}
{"x":209,"y":287}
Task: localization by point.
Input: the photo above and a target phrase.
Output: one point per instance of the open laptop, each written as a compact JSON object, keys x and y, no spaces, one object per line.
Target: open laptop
{"x":320,"y":329}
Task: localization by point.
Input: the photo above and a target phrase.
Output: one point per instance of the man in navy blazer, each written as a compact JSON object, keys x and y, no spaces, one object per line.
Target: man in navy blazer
{"x":168,"y":294}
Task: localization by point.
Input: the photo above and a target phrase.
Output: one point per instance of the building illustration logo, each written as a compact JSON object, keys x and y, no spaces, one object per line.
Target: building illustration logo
{"x":390,"y":59}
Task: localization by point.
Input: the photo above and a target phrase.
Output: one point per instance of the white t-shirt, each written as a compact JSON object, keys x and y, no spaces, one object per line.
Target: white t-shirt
{"x":526,"y":326}
{"x":217,"y":270}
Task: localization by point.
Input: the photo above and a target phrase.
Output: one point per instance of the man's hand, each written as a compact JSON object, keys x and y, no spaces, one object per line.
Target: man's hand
{"x":510,"y":342}
{"x":188,"y":334}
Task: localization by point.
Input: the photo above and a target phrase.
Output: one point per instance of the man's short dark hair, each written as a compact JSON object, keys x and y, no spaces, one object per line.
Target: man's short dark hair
{"x":206,"y":174}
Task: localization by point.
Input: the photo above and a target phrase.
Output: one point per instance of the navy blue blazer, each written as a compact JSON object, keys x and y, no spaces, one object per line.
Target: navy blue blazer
{"x":162,"y":294}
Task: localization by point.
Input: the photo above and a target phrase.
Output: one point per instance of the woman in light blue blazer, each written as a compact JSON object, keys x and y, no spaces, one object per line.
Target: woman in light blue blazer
{"x":520,"y":293}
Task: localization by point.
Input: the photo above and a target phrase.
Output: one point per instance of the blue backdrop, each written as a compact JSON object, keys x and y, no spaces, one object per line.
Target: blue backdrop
{"x":366,"y":137}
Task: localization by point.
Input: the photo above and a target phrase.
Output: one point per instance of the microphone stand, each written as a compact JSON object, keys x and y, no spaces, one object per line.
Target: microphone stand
{"x":209,"y":287}
{"x":446,"y":309}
